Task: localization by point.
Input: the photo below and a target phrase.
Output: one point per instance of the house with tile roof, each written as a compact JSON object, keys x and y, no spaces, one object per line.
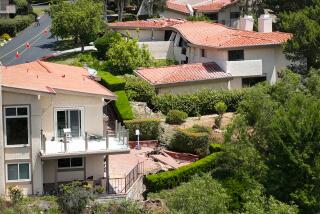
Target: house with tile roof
{"x":53,"y":127}
{"x":247,"y":56}
{"x":226,"y":12}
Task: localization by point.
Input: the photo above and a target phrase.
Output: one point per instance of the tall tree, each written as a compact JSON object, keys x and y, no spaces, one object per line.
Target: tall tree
{"x":304,"y":47}
{"x":81,"y":20}
{"x":281,"y":6}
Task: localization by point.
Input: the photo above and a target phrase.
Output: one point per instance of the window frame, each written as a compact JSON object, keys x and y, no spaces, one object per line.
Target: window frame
{"x":203,"y":53}
{"x":71,"y":167}
{"x":238,"y":50}
{"x":18,"y":180}
{"x":55,"y":120}
{"x":16,"y":116}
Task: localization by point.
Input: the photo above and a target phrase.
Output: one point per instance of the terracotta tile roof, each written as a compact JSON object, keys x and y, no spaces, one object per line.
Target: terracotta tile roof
{"x":199,"y":5}
{"x":47,"y":77}
{"x":219,"y":36}
{"x":182,"y":73}
{"x":178,"y":7}
{"x":214,"y":6}
{"x":150,"y":23}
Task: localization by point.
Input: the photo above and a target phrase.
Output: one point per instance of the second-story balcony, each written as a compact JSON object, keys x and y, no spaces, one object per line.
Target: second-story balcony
{"x":115,"y":142}
{"x":244,"y":68}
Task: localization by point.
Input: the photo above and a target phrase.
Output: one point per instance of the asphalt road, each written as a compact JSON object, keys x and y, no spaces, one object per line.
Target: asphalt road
{"x":40,"y":44}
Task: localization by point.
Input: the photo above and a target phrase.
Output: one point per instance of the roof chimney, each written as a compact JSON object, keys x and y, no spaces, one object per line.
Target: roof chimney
{"x":190,"y":9}
{"x":246,"y":23}
{"x":265,"y":23}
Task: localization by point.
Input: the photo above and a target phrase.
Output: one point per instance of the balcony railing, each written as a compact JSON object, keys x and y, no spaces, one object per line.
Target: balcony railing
{"x":113,"y":142}
{"x":122,"y":185}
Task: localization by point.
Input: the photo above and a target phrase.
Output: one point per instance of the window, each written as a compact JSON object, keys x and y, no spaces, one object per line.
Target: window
{"x":68,"y":118}
{"x":236,"y":55}
{"x":70,"y":162}
{"x":18,"y":172}
{"x":16,"y":125}
{"x":203,"y":53}
{"x":234,"y":15}
{"x":251,"y":81}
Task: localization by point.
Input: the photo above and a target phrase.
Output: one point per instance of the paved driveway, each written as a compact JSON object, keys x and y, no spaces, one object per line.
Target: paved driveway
{"x":40,"y":44}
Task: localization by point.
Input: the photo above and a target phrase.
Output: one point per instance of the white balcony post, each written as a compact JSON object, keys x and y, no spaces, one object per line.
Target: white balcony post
{"x":107,"y":140}
{"x":65,"y":142}
{"x":116,"y":126}
{"x":127,"y":135}
{"x":86,"y":140}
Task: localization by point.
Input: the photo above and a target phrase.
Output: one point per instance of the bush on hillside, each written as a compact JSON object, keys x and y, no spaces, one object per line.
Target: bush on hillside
{"x":73,"y":198}
{"x":171,"y":179}
{"x":138,"y":89}
{"x":104,"y":43}
{"x":149,"y":129}
{"x":112,"y":82}
{"x":5,"y":37}
{"x":187,"y":140}
{"x":201,"y":102}
{"x":176,"y":117}
{"x":15,"y":25}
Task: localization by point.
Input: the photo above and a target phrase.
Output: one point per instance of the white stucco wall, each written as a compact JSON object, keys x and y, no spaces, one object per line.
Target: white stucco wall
{"x":93,"y":112}
{"x":273,"y":60}
{"x":160,"y":49}
{"x":94,"y":166}
{"x":143,"y":34}
{"x":2,"y":166}
{"x":173,"y":14}
{"x":29,"y":154}
{"x":194,"y":87}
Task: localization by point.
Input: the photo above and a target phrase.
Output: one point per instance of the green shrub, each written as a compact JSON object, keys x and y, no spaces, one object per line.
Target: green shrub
{"x":15,"y":194}
{"x":220,"y":107}
{"x":5,"y":36}
{"x":186,"y":140}
{"x":199,"y":18}
{"x":215,"y":147}
{"x":149,"y":128}
{"x":116,"y":84}
{"x":122,"y":106}
{"x":171,"y":179}
{"x":138,"y":89}
{"x":198,"y":128}
{"x":112,"y":82}
{"x":87,"y":59}
{"x":15,"y":25}
{"x":202,"y":194}
{"x":73,"y":198}
{"x":201,"y":102}
{"x":105,"y":42}
{"x":176,"y":117}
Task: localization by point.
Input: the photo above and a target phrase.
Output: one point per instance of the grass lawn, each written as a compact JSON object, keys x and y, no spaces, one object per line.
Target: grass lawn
{"x":40,"y":9}
{"x":65,"y":59}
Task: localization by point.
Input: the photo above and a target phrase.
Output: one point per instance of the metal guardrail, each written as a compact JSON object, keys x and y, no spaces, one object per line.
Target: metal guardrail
{"x":122,"y":185}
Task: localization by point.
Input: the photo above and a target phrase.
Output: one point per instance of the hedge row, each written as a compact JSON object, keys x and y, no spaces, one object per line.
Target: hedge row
{"x":185,"y":140}
{"x":112,"y":82}
{"x":149,"y":128}
{"x":116,"y":85}
{"x":122,"y":106}
{"x":171,"y":179}
{"x":15,"y":25}
{"x":201,"y":102}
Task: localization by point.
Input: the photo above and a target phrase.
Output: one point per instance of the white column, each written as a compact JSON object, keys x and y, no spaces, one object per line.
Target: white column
{"x":2,"y":166}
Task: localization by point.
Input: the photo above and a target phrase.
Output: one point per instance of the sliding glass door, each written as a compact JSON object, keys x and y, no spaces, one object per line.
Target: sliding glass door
{"x":69,"y":118}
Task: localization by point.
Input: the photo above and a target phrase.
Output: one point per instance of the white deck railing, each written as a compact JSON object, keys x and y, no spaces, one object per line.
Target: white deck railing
{"x":113,"y":142}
